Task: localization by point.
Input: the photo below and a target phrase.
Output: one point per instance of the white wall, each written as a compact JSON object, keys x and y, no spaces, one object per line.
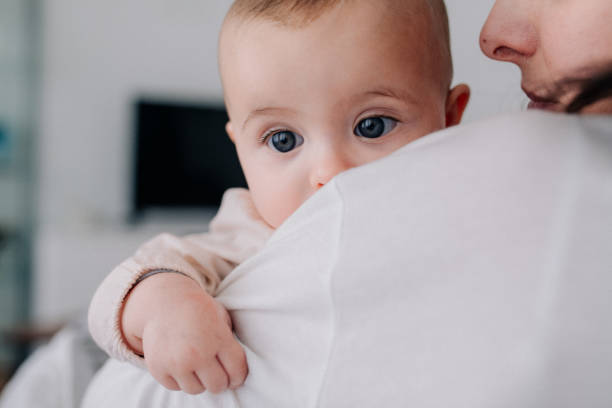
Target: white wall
{"x":98,"y":56}
{"x":495,"y":85}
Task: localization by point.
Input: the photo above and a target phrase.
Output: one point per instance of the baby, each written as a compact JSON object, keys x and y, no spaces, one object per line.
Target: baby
{"x":312,"y":88}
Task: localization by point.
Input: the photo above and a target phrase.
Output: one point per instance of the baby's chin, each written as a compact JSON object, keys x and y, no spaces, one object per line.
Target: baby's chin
{"x":275,"y":219}
{"x":278,"y":216}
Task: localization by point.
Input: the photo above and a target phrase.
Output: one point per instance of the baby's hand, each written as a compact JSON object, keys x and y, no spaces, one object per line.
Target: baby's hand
{"x":187,"y":338}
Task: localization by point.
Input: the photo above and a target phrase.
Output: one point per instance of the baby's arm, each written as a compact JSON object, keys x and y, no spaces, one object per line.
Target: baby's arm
{"x":184,"y":334}
{"x":120,"y":309}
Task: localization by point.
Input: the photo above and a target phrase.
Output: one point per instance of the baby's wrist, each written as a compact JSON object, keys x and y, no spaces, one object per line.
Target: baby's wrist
{"x":148,"y":299}
{"x":157,"y":271}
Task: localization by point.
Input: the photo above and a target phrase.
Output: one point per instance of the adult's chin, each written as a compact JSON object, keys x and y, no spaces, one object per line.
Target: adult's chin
{"x":546,"y":106}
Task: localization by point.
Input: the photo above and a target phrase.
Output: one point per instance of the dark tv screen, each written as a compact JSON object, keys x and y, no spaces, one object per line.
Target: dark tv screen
{"x":184,"y":158}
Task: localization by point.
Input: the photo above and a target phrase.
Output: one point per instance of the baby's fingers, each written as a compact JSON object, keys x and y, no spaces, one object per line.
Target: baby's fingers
{"x":214,"y":377}
{"x":168,"y":382}
{"x":233,"y":360}
{"x":191,"y":384}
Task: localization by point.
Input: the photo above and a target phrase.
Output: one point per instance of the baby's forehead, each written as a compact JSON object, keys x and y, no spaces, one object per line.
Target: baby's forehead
{"x":403,"y":25}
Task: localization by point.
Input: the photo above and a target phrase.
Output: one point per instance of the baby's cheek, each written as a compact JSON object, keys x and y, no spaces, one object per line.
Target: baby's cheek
{"x":275,"y":205}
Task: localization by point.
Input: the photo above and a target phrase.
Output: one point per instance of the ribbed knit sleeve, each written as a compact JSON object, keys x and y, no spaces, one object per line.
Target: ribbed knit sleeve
{"x":236,"y":233}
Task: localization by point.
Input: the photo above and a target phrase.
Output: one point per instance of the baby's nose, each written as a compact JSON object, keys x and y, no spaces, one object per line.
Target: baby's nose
{"x":328,"y":167}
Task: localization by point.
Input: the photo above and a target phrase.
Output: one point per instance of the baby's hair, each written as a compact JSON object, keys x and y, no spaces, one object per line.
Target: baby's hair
{"x":300,"y":13}
{"x":289,"y":12}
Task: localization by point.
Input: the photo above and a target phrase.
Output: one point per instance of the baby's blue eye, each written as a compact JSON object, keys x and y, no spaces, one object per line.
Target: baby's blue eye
{"x":284,"y":141}
{"x":375,"y":127}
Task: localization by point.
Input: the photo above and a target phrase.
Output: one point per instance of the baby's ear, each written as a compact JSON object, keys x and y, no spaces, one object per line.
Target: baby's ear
{"x":230,"y":131}
{"x":456,"y":101}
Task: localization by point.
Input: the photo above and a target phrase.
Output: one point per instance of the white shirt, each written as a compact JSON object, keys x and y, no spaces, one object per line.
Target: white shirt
{"x":471,"y":268}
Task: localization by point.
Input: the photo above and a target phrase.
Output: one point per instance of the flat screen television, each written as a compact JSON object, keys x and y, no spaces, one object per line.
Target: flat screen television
{"x":183,"y":157}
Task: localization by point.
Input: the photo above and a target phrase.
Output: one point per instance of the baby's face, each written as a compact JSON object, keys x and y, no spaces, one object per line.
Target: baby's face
{"x":308,"y":103}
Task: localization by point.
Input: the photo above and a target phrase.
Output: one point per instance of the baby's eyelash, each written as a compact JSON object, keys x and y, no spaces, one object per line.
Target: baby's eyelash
{"x":262,"y":139}
{"x":381,"y":115}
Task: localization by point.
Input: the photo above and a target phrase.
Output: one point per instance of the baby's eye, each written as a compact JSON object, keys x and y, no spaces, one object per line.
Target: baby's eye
{"x":375,"y":127}
{"x":284,"y":141}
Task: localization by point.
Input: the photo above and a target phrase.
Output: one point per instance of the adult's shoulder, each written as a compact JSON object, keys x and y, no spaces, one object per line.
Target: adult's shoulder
{"x":529,"y":125}
{"x":497,"y":145}
{"x":480,"y":250}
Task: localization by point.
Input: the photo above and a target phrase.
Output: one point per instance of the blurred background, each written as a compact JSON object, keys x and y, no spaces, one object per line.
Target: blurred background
{"x":98,"y":95}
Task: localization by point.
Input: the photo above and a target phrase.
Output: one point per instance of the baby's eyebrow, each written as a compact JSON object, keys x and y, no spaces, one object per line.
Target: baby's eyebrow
{"x":267,"y":111}
{"x":392,"y":93}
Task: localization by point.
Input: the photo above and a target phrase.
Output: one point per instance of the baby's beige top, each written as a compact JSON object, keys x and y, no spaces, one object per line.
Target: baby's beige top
{"x":236,"y":233}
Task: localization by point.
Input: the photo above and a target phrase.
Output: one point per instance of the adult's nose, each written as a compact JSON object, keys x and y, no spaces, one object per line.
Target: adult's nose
{"x":509,"y":34}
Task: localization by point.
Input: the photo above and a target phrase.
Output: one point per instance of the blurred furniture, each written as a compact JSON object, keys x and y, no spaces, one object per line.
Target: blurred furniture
{"x":18,"y":79}
{"x":56,"y":375}
{"x":199,"y":162}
